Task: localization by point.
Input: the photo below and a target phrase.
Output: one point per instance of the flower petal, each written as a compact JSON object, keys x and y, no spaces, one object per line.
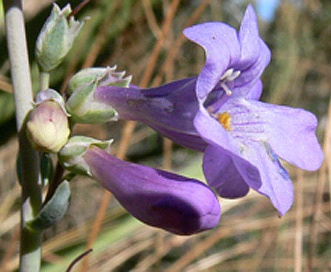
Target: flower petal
{"x":222,"y":174}
{"x":289,"y":131}
{"x":256,"y":163}
{"x":255,"y":92}
{"x":249,"y":38}
{"x":221,"y":44}
{"x":253,"y":49}
{"x":275,"y":182}
{"x":254,"y":67}
{"x":189,"y":140}
{"x":291,"y":134}
{"x":158,"y":198}
{"x":212,"y":131}
{"x":250,"y":91}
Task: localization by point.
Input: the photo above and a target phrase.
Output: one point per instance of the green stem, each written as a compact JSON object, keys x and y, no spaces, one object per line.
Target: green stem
{"x":30,"y":252}
{"x":44,"y":81}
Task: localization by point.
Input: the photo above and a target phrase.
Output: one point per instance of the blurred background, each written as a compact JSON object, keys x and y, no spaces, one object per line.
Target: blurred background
{"x":144,"y":38}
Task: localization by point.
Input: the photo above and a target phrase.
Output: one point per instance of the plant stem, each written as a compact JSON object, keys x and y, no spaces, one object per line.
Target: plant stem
{"x":30,"y":252}
{"x":44,"y":81}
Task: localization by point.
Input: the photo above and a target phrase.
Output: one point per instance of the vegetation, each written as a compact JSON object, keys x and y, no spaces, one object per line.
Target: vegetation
{"x":144,"y":38}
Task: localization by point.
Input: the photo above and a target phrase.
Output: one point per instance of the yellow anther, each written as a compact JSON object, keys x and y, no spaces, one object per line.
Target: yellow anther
{"x":225,"y":119}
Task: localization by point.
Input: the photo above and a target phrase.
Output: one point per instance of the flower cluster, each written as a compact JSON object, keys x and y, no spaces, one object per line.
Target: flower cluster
{"x":217,"y":112}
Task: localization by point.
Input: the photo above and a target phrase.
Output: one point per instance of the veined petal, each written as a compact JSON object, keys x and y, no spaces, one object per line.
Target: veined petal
{"x":291,"y":134}
{"x":221,"y":44}
{"x":289,"y":131}
{"x":255,"y":135}
{"x":247,"y":155}
{"x":158,"y":198}
{"x":275,"y":182}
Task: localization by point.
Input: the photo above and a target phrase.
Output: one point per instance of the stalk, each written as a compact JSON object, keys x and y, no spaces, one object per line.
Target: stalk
{"x":28,"y":168}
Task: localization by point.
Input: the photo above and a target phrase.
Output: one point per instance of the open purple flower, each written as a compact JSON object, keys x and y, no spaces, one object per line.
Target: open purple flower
{"x":158,"y":198}
{"x":246,"y":137}
{"x":218,"y":113}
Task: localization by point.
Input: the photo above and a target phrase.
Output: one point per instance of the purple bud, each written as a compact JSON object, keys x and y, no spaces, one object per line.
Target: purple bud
{"x":161,"y":199}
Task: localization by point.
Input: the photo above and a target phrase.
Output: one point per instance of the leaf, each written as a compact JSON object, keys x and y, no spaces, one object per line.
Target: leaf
{"x":54,"y":210}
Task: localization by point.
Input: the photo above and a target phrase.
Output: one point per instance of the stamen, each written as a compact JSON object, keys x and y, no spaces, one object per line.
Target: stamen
{"x":233,"y":76}
{"x":228,"y":76}
{"x":226,"y":88}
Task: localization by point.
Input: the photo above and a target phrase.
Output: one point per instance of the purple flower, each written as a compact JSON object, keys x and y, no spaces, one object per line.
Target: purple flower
{"x":247,"y":138}
{"x":218,"y":113}
{"x":158,"y":198}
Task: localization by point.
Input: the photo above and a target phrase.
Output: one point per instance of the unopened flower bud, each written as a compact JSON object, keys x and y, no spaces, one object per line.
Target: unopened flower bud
{"x":158,"y":198}
{"x":82,"y":105}
{"x":50,"y":94}
{"x":48,"y":126}
{"x":56,"y":38}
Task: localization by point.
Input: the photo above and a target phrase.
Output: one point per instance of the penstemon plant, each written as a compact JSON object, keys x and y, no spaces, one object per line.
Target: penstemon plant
{"x":216,"y":112}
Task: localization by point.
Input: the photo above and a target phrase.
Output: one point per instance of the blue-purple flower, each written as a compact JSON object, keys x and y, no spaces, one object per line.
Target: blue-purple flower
{"x":218,"y":112}
{"x":247,"y":138}
{"x":158,"y":198}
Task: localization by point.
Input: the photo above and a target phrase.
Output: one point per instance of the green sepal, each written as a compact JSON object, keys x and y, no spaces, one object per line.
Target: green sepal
{"x":82,"y":104}
{"x":71,"y":156}
{"x":84,"y":109}
{"x":105,"y":76}
{"x":54,"y":209}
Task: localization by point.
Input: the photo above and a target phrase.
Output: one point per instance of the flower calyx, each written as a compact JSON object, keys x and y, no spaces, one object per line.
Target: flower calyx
{"x":72,"y":154}
{"x":82,"y":104}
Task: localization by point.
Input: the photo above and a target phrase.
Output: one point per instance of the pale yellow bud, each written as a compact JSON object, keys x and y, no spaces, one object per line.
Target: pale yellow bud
{"x":48,"y":127}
